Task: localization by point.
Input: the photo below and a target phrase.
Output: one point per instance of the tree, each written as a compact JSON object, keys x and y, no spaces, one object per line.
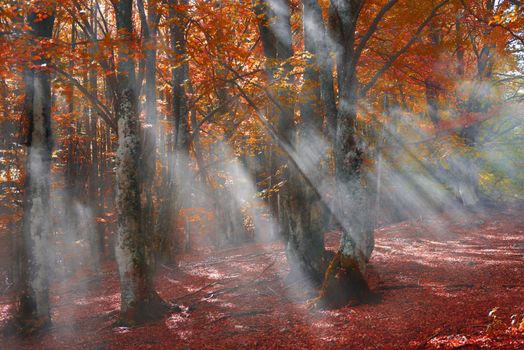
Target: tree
{"x":139,"y":300}
{"x":178,"y":159}
{"x":34,"y":308}
{"x":301,"y":214}
{"x":344,"y":279}
{"x":149,"y":24}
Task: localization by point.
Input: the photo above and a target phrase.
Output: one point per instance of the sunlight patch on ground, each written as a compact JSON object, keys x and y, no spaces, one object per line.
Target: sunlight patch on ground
{"x":184,"y":335}
{"x":112,"y":301}
{"x":323,"y":324}
{"x":452,"y":341}
{"x":329,"y":339}
{"x":175,"y":319}
{"x":83,"y":301}
{"x":210,"y":272}
{"x":5,"y":312}
{"x":245,"y":267}
{"x":113,"y":297}
{"x":227,"y":305}
{"x":334,"y":313}
{"x":406,"y":279}
{"x":214,"y":299}
{"x":192,"y":289}
{"x":121,"y":330}
{"x":212,"y":317}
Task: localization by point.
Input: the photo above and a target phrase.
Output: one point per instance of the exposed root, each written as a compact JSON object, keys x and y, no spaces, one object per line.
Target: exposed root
{"x":343,"y":285}
{"x":27,"y":327}
{"x":149,"y":309}
{"x":313,"y":274}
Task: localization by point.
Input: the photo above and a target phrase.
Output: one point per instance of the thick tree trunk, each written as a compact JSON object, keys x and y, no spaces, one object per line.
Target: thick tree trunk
{"x":306,"y":214}
{"x":344,"y":279}
{"x":300,"y":209}
{"x":139,"y":301}
{"x":316,"y":41}
{"x":33,"y":308}
{"x":305,"y":244}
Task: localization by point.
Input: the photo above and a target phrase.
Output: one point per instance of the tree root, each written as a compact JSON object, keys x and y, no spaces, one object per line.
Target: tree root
{"x":344,"y":284}
{"x":27,"y":327}
{"x":148,"y":309}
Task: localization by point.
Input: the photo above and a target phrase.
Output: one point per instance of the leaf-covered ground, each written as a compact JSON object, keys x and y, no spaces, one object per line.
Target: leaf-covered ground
{"x":439,"y":279}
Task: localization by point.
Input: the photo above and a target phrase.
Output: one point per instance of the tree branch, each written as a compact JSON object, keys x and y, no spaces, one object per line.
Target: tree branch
{"x":102,"y":110}
{"x":373,"y":28}
{"x":364,"y":90}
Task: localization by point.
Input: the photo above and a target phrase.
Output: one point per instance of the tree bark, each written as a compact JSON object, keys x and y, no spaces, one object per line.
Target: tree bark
{"x":33,"y":306}
{"x":149,"y":24}
{"x":316,"y":41}
{"x":178,"y":167}
{"x":467,"y":171}
{"x":96,"y":233}
{"x":306,"y":216}
{"x":139,"y":300}
{"x":344,"y":279}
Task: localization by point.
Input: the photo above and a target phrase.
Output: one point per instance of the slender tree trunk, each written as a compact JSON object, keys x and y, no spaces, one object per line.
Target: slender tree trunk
{"x":180,"y":82}
{"x":275,"y":34}
{"x":149,"y":25}
{"x":96,"y":238}
{"x":174,"y":189}
{"x":71,"y":219}
{"x":467,"y":171}
{"x":33,"y":307}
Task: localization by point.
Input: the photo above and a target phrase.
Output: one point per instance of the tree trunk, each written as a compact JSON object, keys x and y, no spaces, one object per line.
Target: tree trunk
{"x":275,"y":34}
{"x":467,"y":172}
{"x":305,"y":248}
{"x":33,"y":308}
{"x":344,"y":279}
{"x":178,"y":167}
{"x":139,"y":300}
{"x":316,"y":42}
{"x":149,"y":24}
{"x":96,"y":238}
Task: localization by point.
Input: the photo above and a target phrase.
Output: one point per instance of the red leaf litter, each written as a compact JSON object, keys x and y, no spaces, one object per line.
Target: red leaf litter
{"x":446,"y":283}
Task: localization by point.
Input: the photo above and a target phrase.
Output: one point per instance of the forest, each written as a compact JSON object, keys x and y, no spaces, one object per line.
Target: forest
{"x":261,"y":174}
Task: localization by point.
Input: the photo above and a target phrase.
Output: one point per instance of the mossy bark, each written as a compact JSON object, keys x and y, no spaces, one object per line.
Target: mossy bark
{"x":139,"y":300}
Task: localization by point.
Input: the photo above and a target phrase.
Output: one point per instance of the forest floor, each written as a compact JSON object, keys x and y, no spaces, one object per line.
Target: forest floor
{"x":439,"y":279}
